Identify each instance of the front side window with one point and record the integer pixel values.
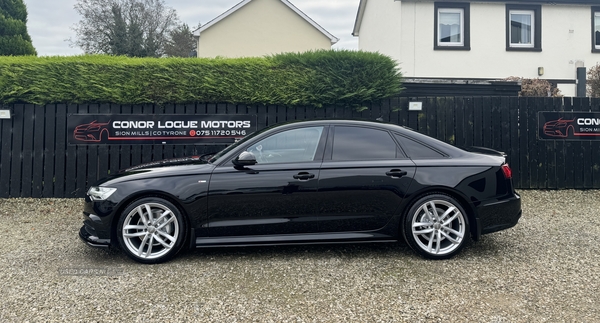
(296, 145)
(451, 26)
(523, 28)
(596, 29)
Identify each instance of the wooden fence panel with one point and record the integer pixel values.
(6, 130)
(27, 151)
(17, 151)
(49, 150)
(37, 161)
(81, 175)
(595, 151)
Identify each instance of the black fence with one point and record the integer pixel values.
(37, 161)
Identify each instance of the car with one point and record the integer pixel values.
(558, 128)
(91, 132)
(306, 182)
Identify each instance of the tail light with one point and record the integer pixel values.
(507, 171)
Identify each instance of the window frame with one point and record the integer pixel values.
(536, 33)
(595, 11)
(465, 25)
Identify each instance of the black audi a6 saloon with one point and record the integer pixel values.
(326, 181)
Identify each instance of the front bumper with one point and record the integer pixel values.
(91, 240)
(97, 223)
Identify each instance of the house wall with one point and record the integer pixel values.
(261, 27)
(566, 42)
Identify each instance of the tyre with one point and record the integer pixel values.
(436, 226)
(151, 230)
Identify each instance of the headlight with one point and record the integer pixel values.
(99, 193)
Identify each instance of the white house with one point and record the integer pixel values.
(484, 39)
(261, 27)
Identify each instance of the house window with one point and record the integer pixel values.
(451, 26)
(523, 28)
(596, 29)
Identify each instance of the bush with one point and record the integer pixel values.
(593, 81)
(536, 87)
(312, 78)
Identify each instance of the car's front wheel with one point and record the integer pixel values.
(436, 226)
(151, 230)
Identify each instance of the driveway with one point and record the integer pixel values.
(546, 269)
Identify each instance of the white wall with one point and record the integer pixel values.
(381, 28)
(566, 39)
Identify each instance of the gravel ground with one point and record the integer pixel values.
(545, 269)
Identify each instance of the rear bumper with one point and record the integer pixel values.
(499, 215)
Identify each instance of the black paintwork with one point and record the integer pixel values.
(323, 200)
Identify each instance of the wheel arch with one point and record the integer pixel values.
(103, 131)
(461, 198)
(145, 194)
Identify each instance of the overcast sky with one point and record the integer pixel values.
(50, 21)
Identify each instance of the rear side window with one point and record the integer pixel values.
(417, 150)
(355, 143)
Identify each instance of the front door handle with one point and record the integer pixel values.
(304, 176)
(396, 173)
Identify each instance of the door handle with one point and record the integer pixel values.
(304, 176)
(396, 173)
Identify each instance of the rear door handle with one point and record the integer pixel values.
(396, 173)
(304, 176)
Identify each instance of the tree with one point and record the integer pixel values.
(14, 38)
(181, 42)
(136, 28)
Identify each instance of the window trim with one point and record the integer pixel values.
(537, 27)
(595, 10)
(465, 26)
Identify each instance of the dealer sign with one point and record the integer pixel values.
(158, 128)
(569, 125)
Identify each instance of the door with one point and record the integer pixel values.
(363, 179)
(275, 196)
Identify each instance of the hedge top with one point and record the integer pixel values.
(313, 78)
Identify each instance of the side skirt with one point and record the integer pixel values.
(290, 239)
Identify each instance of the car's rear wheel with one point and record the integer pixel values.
(436, 226)
(151, 230)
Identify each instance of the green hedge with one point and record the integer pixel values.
(312, 78)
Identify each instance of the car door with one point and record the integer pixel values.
(275, 196)
(363, 179)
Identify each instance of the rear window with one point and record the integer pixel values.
(417, 150)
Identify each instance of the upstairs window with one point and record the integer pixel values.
(596, 29)
(523, 28)
(451, 26)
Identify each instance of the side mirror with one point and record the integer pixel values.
(246, 158)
